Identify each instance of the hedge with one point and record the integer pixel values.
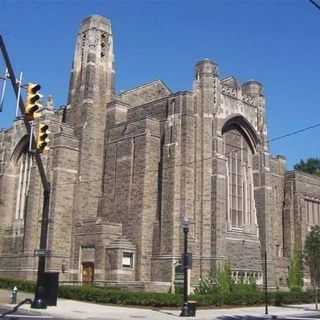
(23, 285)
(104, 295)
(276, 298)
(101, 294)
(116, 296)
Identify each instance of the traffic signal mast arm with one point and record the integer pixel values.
(39, 298)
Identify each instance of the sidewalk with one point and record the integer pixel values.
(71, 309)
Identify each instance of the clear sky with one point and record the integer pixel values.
(276, 42)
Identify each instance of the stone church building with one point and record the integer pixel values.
(125, 169)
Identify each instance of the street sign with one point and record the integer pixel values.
(41, 253)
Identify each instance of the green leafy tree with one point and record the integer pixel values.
(311, 165)
(295, 276)
(312, 258)
(224, 279)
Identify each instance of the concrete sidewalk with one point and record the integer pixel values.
(71, 309)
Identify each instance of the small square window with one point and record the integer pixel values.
(127, 259)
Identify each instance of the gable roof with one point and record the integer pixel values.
(145, 93)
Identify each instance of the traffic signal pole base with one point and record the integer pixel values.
(38, 303)
(188, 309)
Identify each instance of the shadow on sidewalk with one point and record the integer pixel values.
(169, 313)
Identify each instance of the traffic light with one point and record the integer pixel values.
(42, 138)
(32, 102)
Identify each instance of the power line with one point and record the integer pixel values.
(237, 149)
(294, 133)
(315, 3)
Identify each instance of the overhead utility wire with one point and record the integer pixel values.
(294, 132)
(237, 149)
(315, 3)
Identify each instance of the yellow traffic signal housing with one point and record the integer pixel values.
(43, 137)
(32, 102)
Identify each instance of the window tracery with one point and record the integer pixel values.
(241, 210)
(24, 164)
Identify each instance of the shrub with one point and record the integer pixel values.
(104, 295)
(281, 297)
(295, 275)
(23, 285)
(210, 295)
(224, 280)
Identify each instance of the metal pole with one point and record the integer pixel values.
(185, 267)
(38, 302)
(30, 137)
(185, 309)
(3, 89)
(265, 281)
(39, 294)
(19, 90)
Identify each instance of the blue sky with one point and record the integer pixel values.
(275, 42)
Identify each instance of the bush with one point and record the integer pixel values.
(243, 295)
(280, 297)
(23, 285)
(295, 275)
(222, 290)
(209, 295)
(104, 295)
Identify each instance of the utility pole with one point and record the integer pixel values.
(38, 301)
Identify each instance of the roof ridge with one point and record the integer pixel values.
(145, 85)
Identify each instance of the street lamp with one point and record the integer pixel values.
(265, 281)
(188, 309)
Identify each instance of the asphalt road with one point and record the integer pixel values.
(298, 316)
(304, 316)
(25, 315)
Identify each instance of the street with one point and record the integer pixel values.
(24, 315)
(79, 310)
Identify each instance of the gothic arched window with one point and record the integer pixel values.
(241, 210)
(24, 166)
(22, 162)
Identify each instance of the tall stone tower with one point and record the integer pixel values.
(91, 88)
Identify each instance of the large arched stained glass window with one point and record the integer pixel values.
(241, 211)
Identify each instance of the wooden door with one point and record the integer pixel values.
(87, 272)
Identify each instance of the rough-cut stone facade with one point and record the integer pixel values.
(126, 169)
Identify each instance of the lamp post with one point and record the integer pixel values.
(186, 309)
(265, 282)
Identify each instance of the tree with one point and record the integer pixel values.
(224, 279)
(295, 276)
(311, 165)
(312, 258)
